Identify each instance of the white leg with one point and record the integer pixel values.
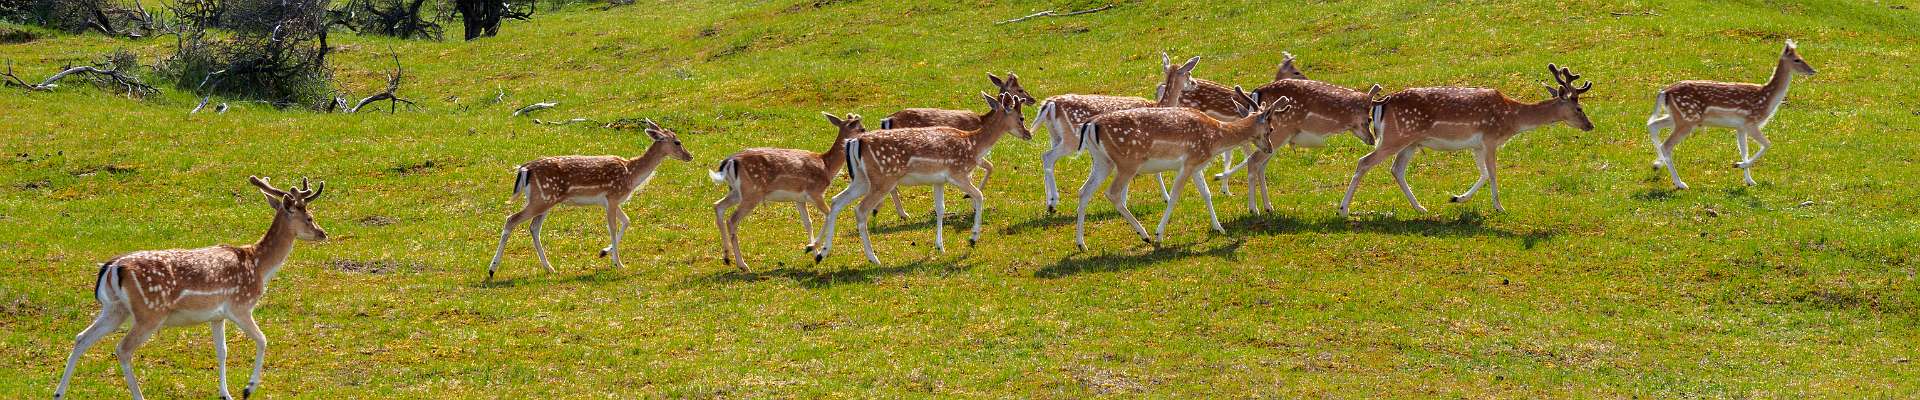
(840, 202)
(870, 202)
(1680, 132)
(897, 209)
(727, 252)
(806, 221)
(733, 231)
(136, 337)
(1100, 171)
(1760, 138)
(1493, 177)
(108, 321)
(979, 205)
(616, 225)
(1165, 194)
(939, 218)
(1740, 140)
(1653, 132)
(244, 321)
(1400, 175)
(1366, 163)
(1480, 161)
(220, 353)
(1226, 162)
(512, 221)
(1207, 196)
(1047, 161)
(1173, 198)
(538, 248)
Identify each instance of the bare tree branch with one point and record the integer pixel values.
(530, 108)
(1051, 13)
(132, 85)
(393, 85)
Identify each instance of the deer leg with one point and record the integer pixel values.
(1207, 196)
(1256, 179)
(109, 320)
(1047, 161)
(539, 249)
(1760, 138)
(1493, 176)
(979, 205)
(1371, 159)
(220, 353)
(897, 208)
(840, 202)
(1480, 161)
(733, 229)
(1653, 132)
(1400, 176)
(616, 228)
(1165, 195)
(727, 252)
(1173, 199)
(866, 204)
(813, 239)
(136, 336)
(806, 221)
(244, 321)
(1117, 194)
(512, 221)
(1226, 163)
(940, 218)
(986, 169)
(1099, 174)
(1680, 132)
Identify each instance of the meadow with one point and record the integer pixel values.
(1599, 280)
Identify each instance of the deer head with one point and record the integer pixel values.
(1791, 57)
(1287, 70)
(291, 207)
(1263, 117)
(1012, 86)
(1005, 116)
(1566, 98)
(664, 137)
(1179, 78)
(849, 126)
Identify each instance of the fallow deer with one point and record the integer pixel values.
(1451, 118)
(606, 181)
(1062, 113)
(1318, 111)
(758, 175)
(169, 288)
(1148, 140)
(1745, 107)
(882, 160)
(965, 120)
(1221, 102)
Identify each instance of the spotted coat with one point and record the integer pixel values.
(1318, 110)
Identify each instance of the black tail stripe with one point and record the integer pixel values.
(99, 278)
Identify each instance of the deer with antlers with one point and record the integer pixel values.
(1316, 112)
(1451, 118)
(607, 181)
(965, 120)
(169, 288)
(882, 160)
(1220, 101)
(1745, 107)
(1064, 112)
(1149, 140)
(759, 175)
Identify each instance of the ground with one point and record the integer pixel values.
(1598, 281)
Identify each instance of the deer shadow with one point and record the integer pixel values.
(1080, 263)
(815, 278)
(601, 275)
(1471, 223)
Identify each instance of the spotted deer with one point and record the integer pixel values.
(1219, 101)
(1062, 113)
(212, 285)
(1148, 140)
(1317, 112)
(1745, 107)
(606, 181)
(1452, 118)
(758, 175)
(937, 156)
(965, 120)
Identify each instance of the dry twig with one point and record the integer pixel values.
(1051, 13)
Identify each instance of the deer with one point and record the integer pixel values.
(881, 160)
(1317, 112)
(607, 181)
(156, 289)
(1148, 140)
(960, 119)
(1744, 107)
(1061, 113)
(1219, 101)
(758, 175)
(1454, 118)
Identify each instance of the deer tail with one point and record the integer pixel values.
(521, 178)
(1659, 107)
(886, 123)
(1039, 118)
(854, 159)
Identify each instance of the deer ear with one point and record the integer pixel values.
(1551, 90)
(1791, 45)
(833, 119)
(1012, 78)
(996, 80)
(1191, 62)
(1166, 62)
(277, 201)
(992, 102)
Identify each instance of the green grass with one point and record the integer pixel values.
(1598, 281)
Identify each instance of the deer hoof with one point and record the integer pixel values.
(1457, 199)
(973, 242)
(1680, 185)
(246, 393)
(818, 257)
(603, 253)
(726, 261)
(809, 249)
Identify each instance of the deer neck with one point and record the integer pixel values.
(274, 247)
(1234, 133)
(1776, 87)
(1171, 94)
(1526, 117)
(836, 154)
(640, 168)
(984, 138)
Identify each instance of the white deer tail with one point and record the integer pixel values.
(886, 123)
(1088, 139)
(521, 179)
(1376, 121)
(724, 173)
(855, 162)
(1659, 107)
(106, 283)
(1040, 118)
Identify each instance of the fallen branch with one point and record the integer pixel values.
(530, 108)
(1634, 14)
(393, 84)
(1051, 13)
(132, 85)
(564, 122)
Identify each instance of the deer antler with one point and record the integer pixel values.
(307, 192)
(1565, 77)
(265, 187)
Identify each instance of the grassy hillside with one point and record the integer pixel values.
(1598, 281)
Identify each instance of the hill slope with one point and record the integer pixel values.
(1599, 280)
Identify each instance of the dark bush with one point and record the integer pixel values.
(276, 51)
(396, 18)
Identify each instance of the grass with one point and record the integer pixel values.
(1599, 281)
